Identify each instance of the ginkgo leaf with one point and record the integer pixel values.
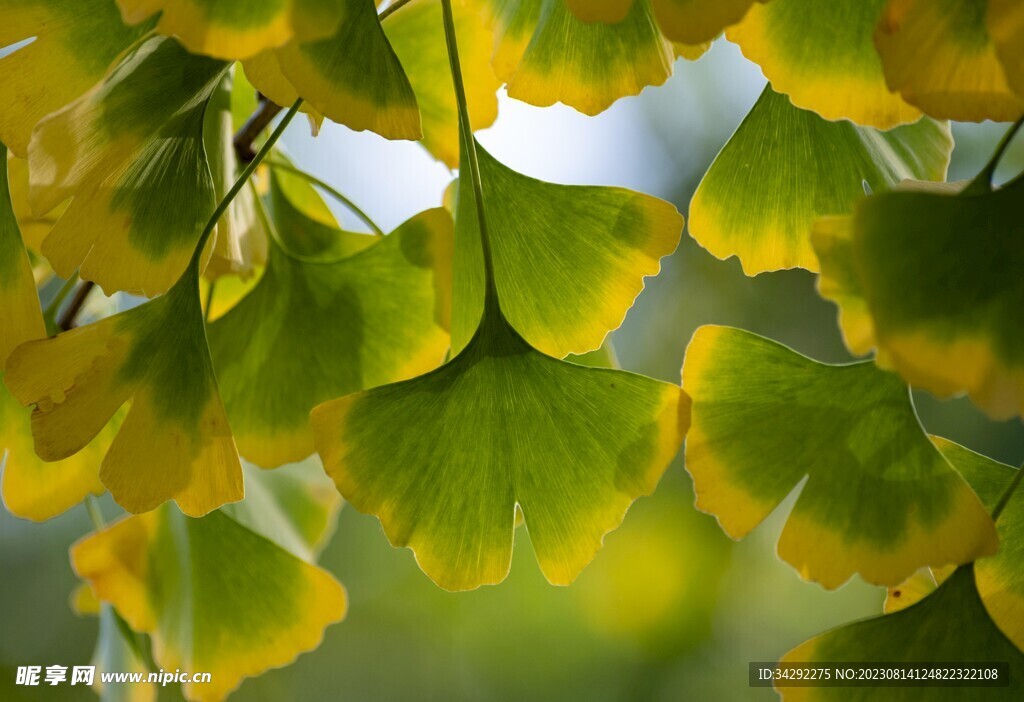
(930, 275)
(33, 228)
(213, 594)
(939, 57)
(175, 442)
(949, 625)
(698, 21)
(1005, 23)
(999, 578)
(352, 77)
(822, 56)
(237, 29)
(20, 316)
(879, 499)
(367, 319)
(264, 71)
(609, 11)
(787, 166)
(417, 35)
(130, 152)
(444, 459)
(547, 55)
(73, 44)
(241, 244)
(569, 260)
(910, 591)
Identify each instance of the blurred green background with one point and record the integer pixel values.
(670, 609)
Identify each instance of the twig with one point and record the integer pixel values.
(265, 113)
(67, 317)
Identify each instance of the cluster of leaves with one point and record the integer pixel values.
(447, 373)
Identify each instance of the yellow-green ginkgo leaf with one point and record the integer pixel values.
(930, 275)
(417, 35)
(939, 56)
(73, 44)
(879, 499)
(1005, 22)
(237, 29)
(363, 320)
(785, 166)
(175, 442)
(610, 11)
(241, 244)
(352, 77)
(568, 260)
(546, 54)
(948, 626)
(33, 229)
(698, 21)
(213, 594)
(444, 459)
(20, 316)
(822, 56)
(130, 152)
(264, 70)
(1000, 578)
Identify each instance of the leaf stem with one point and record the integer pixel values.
(312, 179)
(50, 313)
(392, 8)
(67, 318)
(983, 181)
(209, 300)
(240, 182)
(469, 141)
(1007, 494)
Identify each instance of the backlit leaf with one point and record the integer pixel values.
(237, 29)
(175, 442)
(938, 55)
(930, 275)
(949, 625)
(785, 166)
(367, 319)
(879, 498)
(698, 21)
(610, 11)
(569, 260)
(213, 594)
(547, 55)
(417, 34)
(822, 56)
(131, 154)
(1005, 23)
(73, 44)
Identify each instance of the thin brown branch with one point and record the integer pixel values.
(67, 317)
(253, 127)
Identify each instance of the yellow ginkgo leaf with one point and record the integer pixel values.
(1005, 21)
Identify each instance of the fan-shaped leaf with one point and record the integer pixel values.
(73, 44)
(417, 35)
(785, 166)
(949, 625)
(213, 594)
(369, 319)
(698, 21)
(880, 500)
(821, 55)
(20, 316)
(547, 55)
(938, 55)
(33, 229)
(131, 153)
(175, 442)
(569, 260)
(1005, 23)
(352, 77)
(237, 29)
(931, 277)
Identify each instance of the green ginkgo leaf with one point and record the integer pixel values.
(417, 35)
(999, 578)
(568, 260)
(546, 54)
(130, 152)
(821, 54)
(175, 442)
(73, 44)
(241, 245)
(949, 625)
(352, 77)
(879, 500)
(213, 593)
(939, 56)
(784, 167)
(32, 489)
(237, 29)
(930, 275)
(363, 320)
(1005, 23)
